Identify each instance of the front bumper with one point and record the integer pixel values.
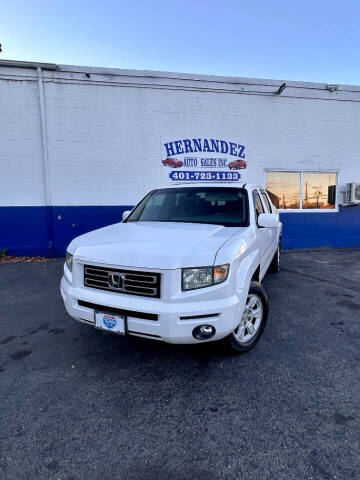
(170, 326)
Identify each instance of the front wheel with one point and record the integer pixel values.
(252, 322)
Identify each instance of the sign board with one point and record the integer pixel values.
(202, 160)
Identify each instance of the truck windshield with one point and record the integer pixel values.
(227, 206)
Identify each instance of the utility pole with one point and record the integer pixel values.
(306, 194)
(317, 194)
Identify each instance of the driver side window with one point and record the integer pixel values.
(266, 201)
(258, 205)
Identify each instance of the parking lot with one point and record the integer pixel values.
(76, 403)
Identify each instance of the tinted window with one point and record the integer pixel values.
(216, 205)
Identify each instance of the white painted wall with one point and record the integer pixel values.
(104, 132)
(21, 173)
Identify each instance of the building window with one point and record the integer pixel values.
(302, 190)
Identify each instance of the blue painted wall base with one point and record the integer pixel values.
(47, 231)
(314, 230)
(25, 231)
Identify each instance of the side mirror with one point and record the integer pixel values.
(126, 214)
(268, 220)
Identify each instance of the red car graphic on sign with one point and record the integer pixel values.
(172, 162)
(237, 164)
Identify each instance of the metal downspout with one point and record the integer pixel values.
(45, 157)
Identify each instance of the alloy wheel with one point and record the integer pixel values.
(251, 319)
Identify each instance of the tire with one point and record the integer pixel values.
(274, 266)
(242, 341)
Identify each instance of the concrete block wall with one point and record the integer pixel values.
(105, 129)
(21, 176)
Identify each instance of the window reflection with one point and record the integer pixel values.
(318, 190)
(284, 189)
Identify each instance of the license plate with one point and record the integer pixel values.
(110, 322)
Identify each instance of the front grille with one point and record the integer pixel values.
(131, 282)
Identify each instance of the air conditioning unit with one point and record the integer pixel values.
(352, 193)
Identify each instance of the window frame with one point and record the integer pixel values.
(302, 171)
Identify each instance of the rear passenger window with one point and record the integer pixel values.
(266, 201)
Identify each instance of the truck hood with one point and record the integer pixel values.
(152, 244)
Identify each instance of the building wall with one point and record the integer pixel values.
(21, 179)
(105, 129)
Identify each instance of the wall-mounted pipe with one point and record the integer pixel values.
(45, 155)
(45, 160)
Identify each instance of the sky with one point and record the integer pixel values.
(286, 40)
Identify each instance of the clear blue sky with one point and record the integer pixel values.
(296, 40)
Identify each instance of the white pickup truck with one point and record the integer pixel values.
(184, 266)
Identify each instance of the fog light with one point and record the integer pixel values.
(204, 332)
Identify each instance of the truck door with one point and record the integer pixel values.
(262, 234)
(273, 232)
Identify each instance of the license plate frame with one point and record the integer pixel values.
(110, 322)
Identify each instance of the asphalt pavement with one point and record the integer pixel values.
(80, 404)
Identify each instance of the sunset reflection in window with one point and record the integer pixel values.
(302, 190)
(284, 189)
(318, 190)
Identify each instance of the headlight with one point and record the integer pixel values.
(203, 276)
(69, 261)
